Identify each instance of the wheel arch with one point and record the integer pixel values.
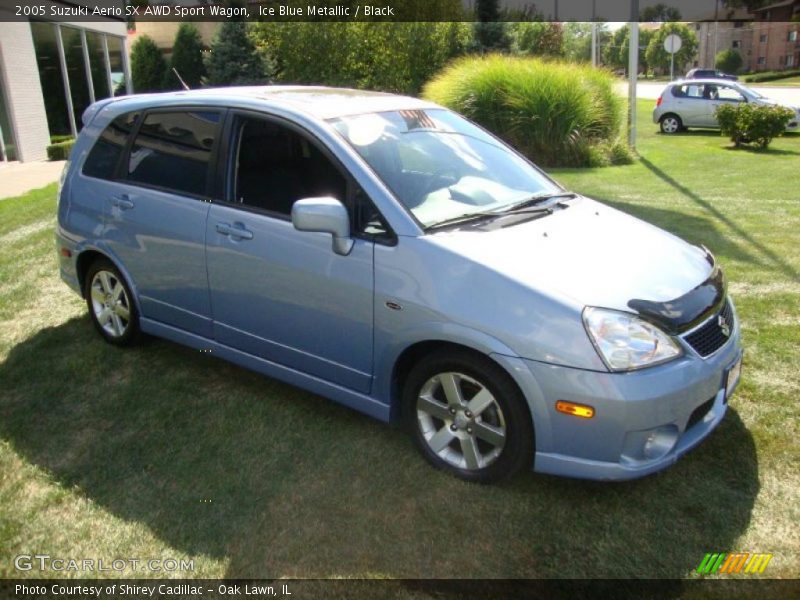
(88, 256)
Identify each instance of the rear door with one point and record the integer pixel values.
(279, 293)
(157, 214)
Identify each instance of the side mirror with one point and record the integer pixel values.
(324, 215)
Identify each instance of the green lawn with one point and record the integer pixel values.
(162, 451)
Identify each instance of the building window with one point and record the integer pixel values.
(762, 60)
(738, 24)
(793, 36)
(97, 62)
(116, 47)
(790, 60)
(762, 38)
(8, 148)
(736, 44)
(50, 76)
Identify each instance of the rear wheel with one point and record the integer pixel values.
(111, 304)
(468, 417)
(671, 124)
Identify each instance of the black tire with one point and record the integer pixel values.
(117, 330)
(508, 412)
(671, 124)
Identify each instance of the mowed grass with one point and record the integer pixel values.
(163, 452)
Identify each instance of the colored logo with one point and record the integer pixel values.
(735, 562)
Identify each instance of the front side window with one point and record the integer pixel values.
(104, 156)
(441, 166)
(729, 94)
(172, 151)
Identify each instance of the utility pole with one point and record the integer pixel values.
(633, 72)
(594, 44)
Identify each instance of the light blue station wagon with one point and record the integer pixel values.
(388, 254)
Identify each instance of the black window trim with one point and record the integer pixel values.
(223, 190)
(121, 174)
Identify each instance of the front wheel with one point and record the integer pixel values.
(671, 124)
(111, 304)
(468, 417)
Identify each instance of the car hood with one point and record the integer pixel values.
(587, 254)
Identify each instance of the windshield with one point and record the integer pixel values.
(441, 166)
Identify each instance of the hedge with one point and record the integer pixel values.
(60, 151)
(771, 76)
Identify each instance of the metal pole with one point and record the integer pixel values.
(594, 44)
(672, 66)
(633, 72)
(65, 75)
(87, 66)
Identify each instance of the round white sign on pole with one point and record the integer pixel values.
(673, 43)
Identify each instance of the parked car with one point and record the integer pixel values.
(709, 74)
(693, 103)
(389, 254)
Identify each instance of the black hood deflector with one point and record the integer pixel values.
(687, 311)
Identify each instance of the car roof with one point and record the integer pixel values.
(701, 80)
(320, 102)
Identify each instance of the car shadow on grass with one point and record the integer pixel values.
(217, 461)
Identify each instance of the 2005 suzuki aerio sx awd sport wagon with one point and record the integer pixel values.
(387, 253)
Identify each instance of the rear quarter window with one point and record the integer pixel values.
(107, 150)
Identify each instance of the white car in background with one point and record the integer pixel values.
(693, 103)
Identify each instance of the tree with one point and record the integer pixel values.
(578, 40)
(234, 59)
(616, 53)
(187, 58)
(538, 38)
(729, 61)
(147, 66)
(490, 34)
(658, 57)
(660, 12)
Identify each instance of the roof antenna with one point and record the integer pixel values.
(183, 83)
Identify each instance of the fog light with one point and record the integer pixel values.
(649, 445)
(576, 410)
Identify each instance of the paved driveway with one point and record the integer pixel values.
(17, 178)
(651, 91)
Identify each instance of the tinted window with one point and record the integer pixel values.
(172, 150)
(103, 158)
(275, 166)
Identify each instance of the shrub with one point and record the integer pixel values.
(57, 139)
(60, 151)
(752, 124)
(772, 75)
(729, 61)
(234, 58)
(148, 66)
(187, 58)
(551, 111)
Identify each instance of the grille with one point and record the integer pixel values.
(699, 412)
(709, 338)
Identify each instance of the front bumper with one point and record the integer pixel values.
(644, 420)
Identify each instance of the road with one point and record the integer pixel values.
(651, 91)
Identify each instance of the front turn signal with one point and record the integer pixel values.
(576, 410)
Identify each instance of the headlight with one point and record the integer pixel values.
(626, 342)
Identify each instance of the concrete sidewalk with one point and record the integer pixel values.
(17, 178)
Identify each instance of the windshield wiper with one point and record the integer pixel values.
(467, 217)
(537, 199)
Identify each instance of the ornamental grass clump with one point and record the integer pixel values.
(558, 114)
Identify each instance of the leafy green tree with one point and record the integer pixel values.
(187, 58)
(658, 57)
(235, 60)
(578, 40)
(537, 38)
(147, 66)
(729, 61)
(616, 53)
(659, 12)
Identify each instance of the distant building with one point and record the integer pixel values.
(50, 72)
(767, 38)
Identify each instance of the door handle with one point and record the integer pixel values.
(234, 231)
(122, 202)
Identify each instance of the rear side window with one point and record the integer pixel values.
(102, 160)
(172, 151)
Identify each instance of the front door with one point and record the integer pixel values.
(279, 293)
